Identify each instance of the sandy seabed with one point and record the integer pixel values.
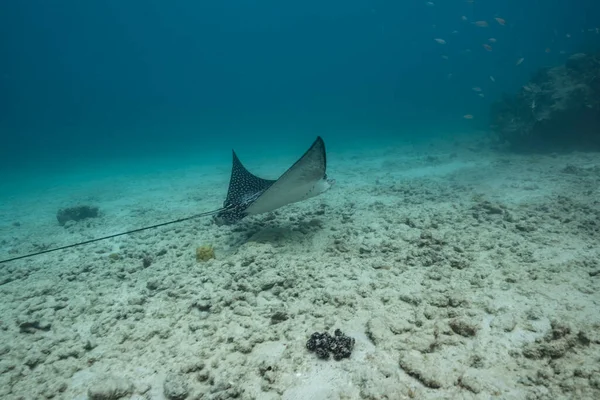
(461, 273)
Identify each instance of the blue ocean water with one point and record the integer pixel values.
(85, 83)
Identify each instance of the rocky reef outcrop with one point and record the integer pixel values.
(558, 109)
(75, 214)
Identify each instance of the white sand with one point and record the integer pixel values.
(462, 274)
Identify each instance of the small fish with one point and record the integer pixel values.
(481, 24)
(476, 89)
(481, 95)
(492, 40)
(445, 57)
(501, 21)
(440, 41)
(464, 18)
(430, 4)
(577, 56)
(492, 78)
(568, 36)
(487, 47)
(468, 116)
(547, 50)
(520, 60)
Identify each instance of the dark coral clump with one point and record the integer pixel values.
(78, 213)
(323, 344)
(558, 109)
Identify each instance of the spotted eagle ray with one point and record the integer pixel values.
(250, 195)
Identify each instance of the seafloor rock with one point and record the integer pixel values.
(464, 327)
(110, 388)
(33, 326)
(558, 109)
(323, 344)
(78, 213)
(415, 365)
(556, 343)
(175, 387)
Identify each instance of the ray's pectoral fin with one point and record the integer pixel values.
(305, 179)
(251, 195)
(244, 187)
